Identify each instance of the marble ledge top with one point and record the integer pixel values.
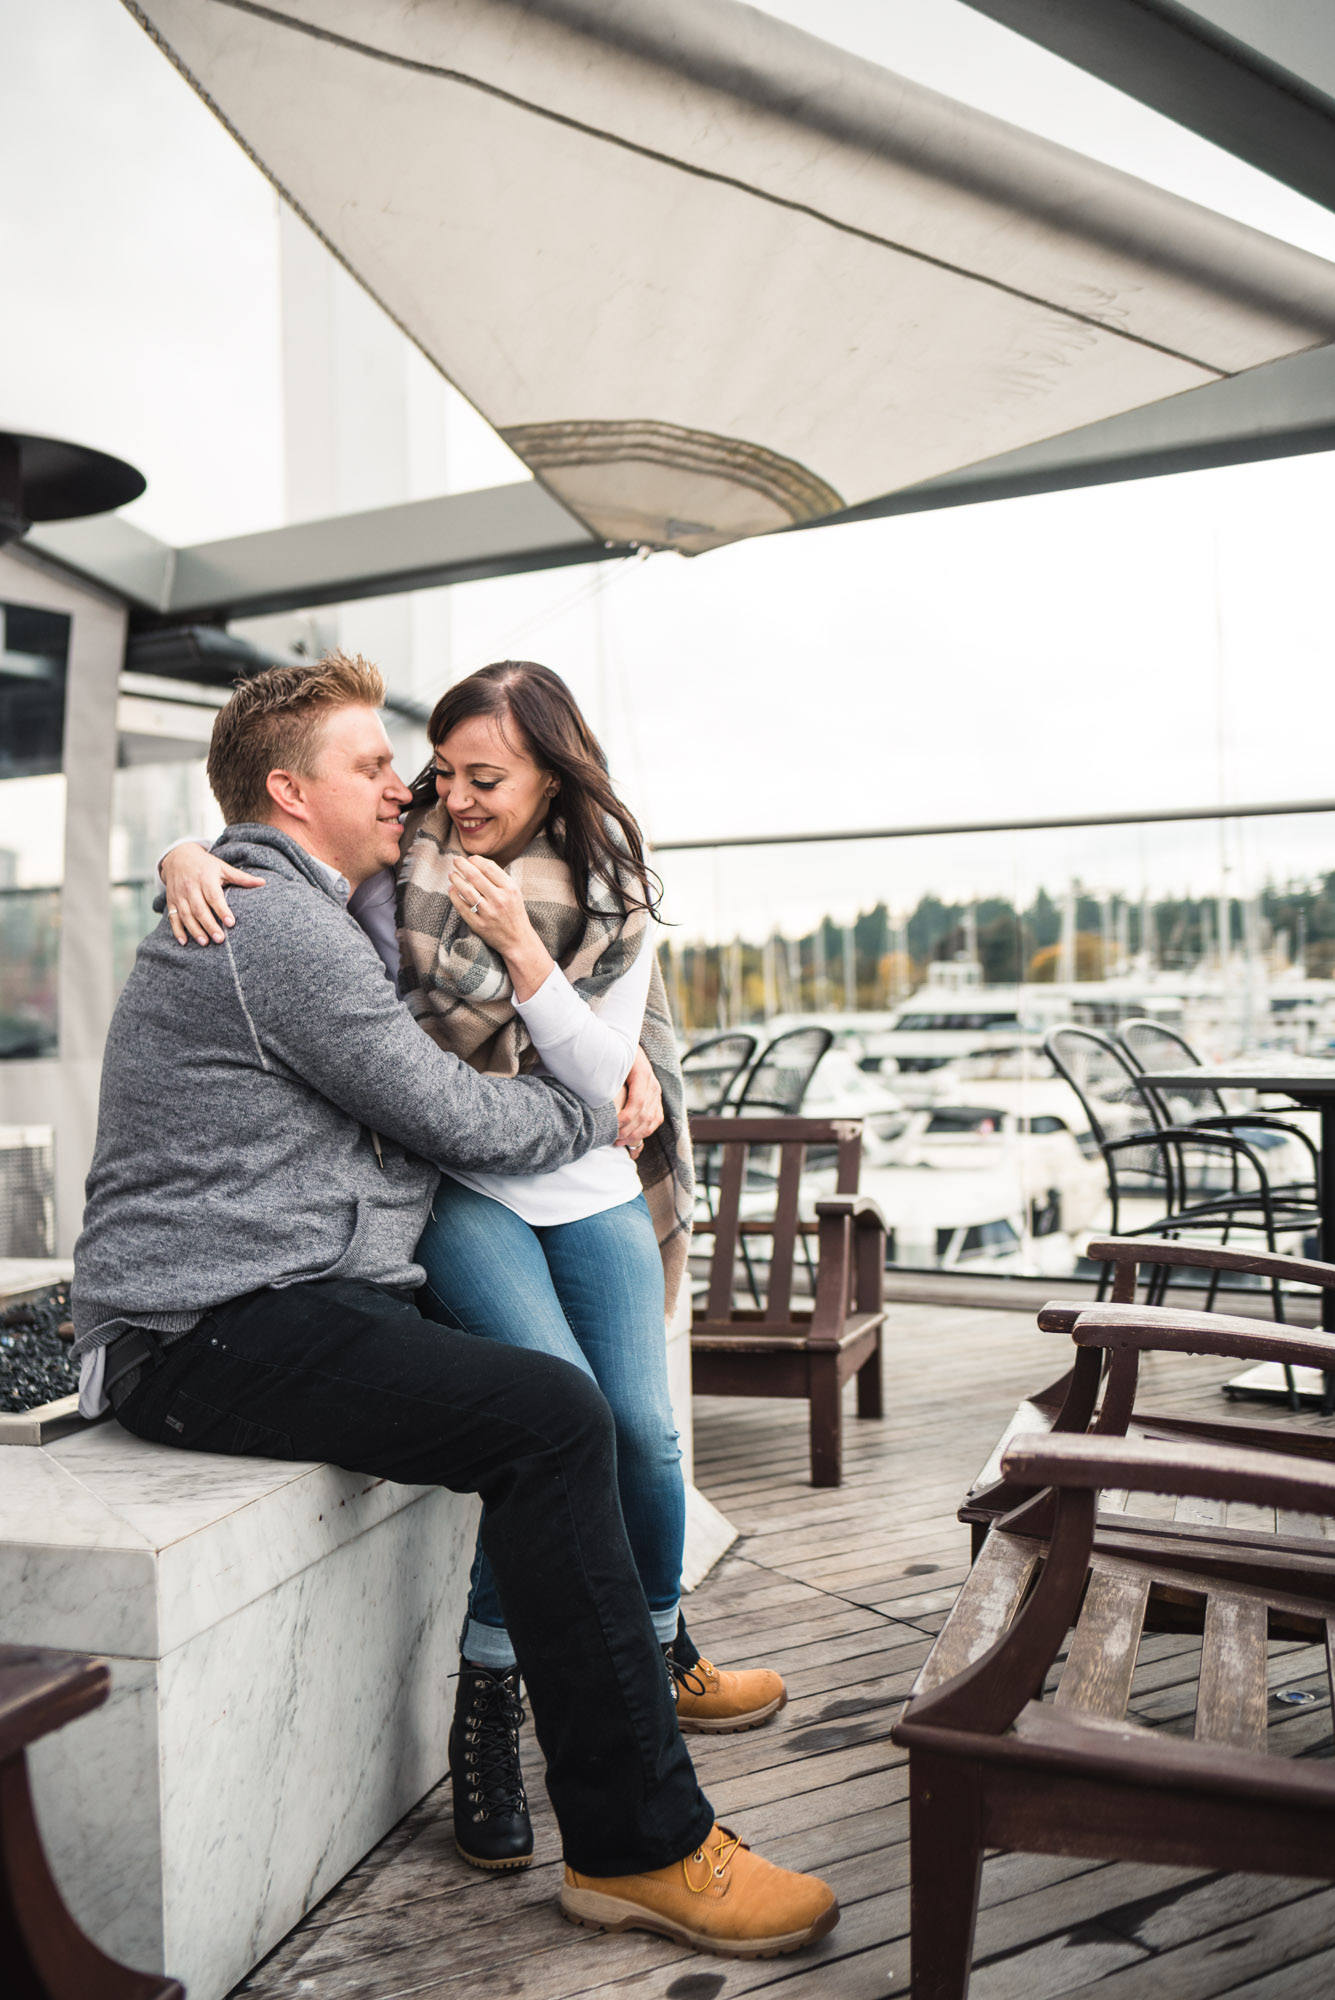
(20, 1276)
(111, 1545)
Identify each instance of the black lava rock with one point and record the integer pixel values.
(36, 1366)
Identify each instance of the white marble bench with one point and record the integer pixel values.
(281, 1637)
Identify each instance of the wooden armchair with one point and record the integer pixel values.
(776, 1346)
(43, 1953)
(992, 1764)
(1110, 1339)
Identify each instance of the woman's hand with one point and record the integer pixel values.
(195, 881)
(489, 902)
(640, 1108)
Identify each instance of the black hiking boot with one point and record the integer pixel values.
(492, 1828)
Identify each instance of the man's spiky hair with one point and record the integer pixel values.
(274, 722)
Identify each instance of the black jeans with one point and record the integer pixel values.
(351, 1373)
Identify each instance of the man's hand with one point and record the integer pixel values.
(640, 1106)
(196, 882)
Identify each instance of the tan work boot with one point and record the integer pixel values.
(722, 1898)
(710, 1698)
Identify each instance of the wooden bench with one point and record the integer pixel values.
(43, 1953)
(1110, 1339)
(993, 1764)
(780, 1345)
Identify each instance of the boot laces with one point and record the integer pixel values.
(714, 1860)
(695, 1679)
(491, 1725)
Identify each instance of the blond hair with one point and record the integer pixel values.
(275, 721)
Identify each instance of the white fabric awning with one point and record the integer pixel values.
(709, 276)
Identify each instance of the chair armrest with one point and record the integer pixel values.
(1195, 1135)
(1205, 1257)
(1167, 1139)
(1059, 1316)
(1265, 1121)
(1158, 1135)
(1204, 1471)
(860, 1210)
(1164, 1329)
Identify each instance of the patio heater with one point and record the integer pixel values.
(45, 479)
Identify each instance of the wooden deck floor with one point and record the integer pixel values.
(842, 1590)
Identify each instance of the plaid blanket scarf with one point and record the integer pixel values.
(458, 989)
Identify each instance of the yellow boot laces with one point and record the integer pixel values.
(724, 1849)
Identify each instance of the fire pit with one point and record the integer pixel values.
(39, 1378)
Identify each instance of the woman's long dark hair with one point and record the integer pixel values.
(545, 715)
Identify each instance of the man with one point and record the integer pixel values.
(268, 1139)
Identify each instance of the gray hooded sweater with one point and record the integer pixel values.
(271, 1114)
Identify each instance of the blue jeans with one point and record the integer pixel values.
(589, 1292)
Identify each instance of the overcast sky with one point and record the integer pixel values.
(1161, 642)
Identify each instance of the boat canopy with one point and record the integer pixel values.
(710, 276)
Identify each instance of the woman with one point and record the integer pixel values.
(525, 936)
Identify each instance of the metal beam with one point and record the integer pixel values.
(106, 550)
(1181, 63)
(456, 538)
(1279, 411)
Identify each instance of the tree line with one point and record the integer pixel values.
(879, 960)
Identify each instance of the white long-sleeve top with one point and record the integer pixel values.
(590, 1053)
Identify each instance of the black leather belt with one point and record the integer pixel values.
(130, 1355)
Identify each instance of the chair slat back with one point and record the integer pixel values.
(732, 1173)
(779, 1295)
(730, 1145)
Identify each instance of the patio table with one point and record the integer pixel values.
(1306, 1081)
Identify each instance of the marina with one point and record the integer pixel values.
(981, 1155)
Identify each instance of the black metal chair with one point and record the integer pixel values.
(709, 1070)
(1161, 1157)
(782, 1072)
(1151, 1047)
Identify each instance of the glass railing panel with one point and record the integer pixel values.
(29, 953)
(34, 648)
(941, 966)
(159, 798)
(27, 1191)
